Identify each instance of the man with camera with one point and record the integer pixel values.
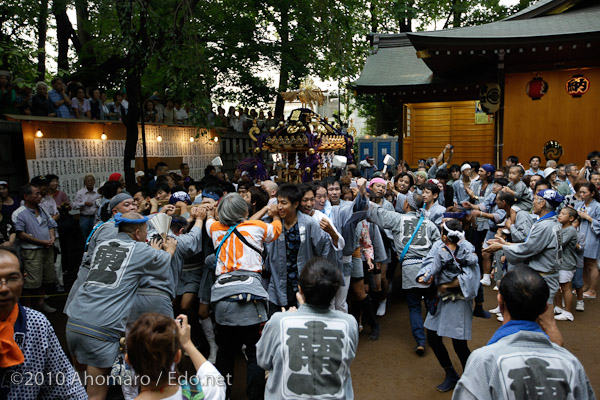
(592, 164)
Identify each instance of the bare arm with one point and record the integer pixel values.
(327, 227)
(444, 287)
(188, 346)
(451, 155)
(440, 157)
(260, 213)
(28, 238)
(11, 240)
(170, 245)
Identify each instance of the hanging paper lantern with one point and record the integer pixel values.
(577, 85)
(553, 150)
(489, 96)
(537, 88)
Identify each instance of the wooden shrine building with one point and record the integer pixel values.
(545, 61)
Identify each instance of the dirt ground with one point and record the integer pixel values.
(389, 368)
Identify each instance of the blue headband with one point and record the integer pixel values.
(210, 195)
(120, 220)
(456, 215)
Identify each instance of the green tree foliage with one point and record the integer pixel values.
(18, 21)
(221, 50)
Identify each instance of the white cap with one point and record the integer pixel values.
(139, 173)
(548, 171)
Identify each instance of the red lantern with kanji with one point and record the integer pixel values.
(578, 85)
(537, 88)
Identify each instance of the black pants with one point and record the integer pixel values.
(437, 345)
(230, 340)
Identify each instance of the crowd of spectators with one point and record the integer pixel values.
(74, 100)
(479, 223)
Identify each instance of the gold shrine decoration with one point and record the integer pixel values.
(254, 131)
(308, 94)
(352, 129)
(292, 136)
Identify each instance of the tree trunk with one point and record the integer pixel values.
(59, 9)
(87, 56)
(284, 70)
(64, 33)
(42, 31)
(405, 25)
(132, 85)
(373, 17)
(456, 13)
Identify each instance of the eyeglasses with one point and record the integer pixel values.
(11, 281)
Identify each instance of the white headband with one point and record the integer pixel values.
(465, 166)
(450, 233)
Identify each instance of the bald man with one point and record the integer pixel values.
(271, 188)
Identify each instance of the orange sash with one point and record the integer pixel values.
(10, 353)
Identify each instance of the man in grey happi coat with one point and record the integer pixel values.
(99, 310)
(121, 203)
(157, 295)
(403, 226)
(309, 351)
(519, 361)
(345, 216)
(542, 251)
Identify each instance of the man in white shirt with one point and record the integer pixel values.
(85, 202)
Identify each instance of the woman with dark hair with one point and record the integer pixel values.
(454, 171)
(257, 199)
(403, 183)
(149, 111)
(478, 191)
(305, 335)
(588, 208)
(80, 106)
(155, 345)
(60, 197)
(452, 266)
(108, 191)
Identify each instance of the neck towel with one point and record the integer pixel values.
(10, 353)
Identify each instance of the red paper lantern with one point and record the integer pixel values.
(577, 85)
(537, 88)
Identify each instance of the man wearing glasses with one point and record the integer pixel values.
(33, 364)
